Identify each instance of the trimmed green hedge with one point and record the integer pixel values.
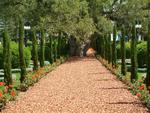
(128, 51)
(15, 55)
(141, 52)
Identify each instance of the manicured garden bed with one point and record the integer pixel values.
(8, 93)
(137, 88)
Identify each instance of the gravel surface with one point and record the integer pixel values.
(78, 86)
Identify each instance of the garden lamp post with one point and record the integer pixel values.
(138, 26)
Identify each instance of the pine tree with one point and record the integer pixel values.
(123, 52)
(7, 58)
(21, 50)
(34, 50)
(133, 55)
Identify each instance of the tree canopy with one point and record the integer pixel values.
(75, 17)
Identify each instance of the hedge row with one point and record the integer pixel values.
(141, 52)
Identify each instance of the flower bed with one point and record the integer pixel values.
(137, 88)
(8, 93)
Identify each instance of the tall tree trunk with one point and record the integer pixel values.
(7, 58)
(123, 52)
(42, 49)
(109, 50)
(21, 50)
(34, 50)
(147, 80)
(114, 52)
(133, 55)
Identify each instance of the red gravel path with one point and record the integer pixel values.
(78, 86)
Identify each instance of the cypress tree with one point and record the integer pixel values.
(123, 52)
(34, 50)
(51, 50)
(147, 80)
(7, 58)
(59, 45)
(107, 47)
(62, 45)
(103, 47)
(114, 52)
(133, 55)
(100, 46)
(42, 48)
(109, 50)
(105, 38)
(21, 50)
(55, 48)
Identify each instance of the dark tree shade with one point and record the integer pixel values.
(114, 52)
(42, 49)
(7, 58)
(133, 55)
(21, 50)
(147, 80)
(123, 52)
(34, 50)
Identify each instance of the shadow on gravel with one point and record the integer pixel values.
(114, 88)
(101, 80)
(133, 103)
(99, 73)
